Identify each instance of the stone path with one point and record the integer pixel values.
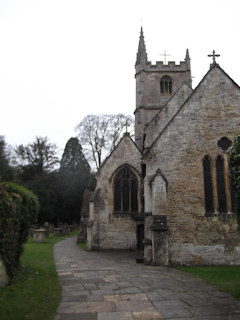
(112, 286)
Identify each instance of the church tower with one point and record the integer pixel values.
(155, 85)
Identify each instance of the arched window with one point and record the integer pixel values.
(221, 189)
(208, 188)
(166, 86)
(125, 191)
(218, 192)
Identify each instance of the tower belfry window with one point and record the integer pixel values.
(166, 86)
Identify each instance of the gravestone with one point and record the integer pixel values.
(39, 235)
(58, 231)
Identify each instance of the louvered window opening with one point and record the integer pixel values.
(166, 86)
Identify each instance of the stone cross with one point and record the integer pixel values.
(165, 55)
(214, 55)
(127, 125)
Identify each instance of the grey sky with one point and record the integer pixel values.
(61, 60)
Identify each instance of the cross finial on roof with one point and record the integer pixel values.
(165, 56)
(127, 125)
(214, 55)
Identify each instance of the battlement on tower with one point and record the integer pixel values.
(159, 66)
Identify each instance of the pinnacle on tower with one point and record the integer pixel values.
(142, 53)
(187, 59)
(187, 55)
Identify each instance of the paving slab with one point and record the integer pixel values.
(86, 307)
(134, 306)
(147, 315)
(111, 285)
(115, 316)
(74, 316)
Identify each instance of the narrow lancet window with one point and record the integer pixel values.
(221, 188)
(208, 188)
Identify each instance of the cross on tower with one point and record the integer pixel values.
(165, 55)
(214, 55)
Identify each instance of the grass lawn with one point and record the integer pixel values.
(226, 279)
(83, 246)
(35, 293)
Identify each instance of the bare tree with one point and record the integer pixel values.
(99, 134)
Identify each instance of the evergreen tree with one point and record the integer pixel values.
(73, 158)
(234, 173)
(73, 178)
(6, 171)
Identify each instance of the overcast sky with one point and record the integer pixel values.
(61, 60)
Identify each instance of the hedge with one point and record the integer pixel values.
(234, 173)
(18, 211)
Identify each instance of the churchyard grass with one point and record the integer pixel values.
(35, 293)
(225, 278)
(82, 245)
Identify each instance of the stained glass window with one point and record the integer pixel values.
(125, 191)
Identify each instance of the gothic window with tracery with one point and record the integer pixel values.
(166, 86)
(125, 191)
(218, 188)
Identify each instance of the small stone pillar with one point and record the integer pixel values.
(39, 235)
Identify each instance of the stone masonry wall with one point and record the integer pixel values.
(211, 113)
(142, 118)
(111, 230)
(159, 122)
(148, 87)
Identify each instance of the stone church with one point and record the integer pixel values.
(168, 192)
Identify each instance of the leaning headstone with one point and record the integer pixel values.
(39, 235)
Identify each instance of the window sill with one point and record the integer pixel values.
(134, 215)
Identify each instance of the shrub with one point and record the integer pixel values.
(234, 173)
(18, 210)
